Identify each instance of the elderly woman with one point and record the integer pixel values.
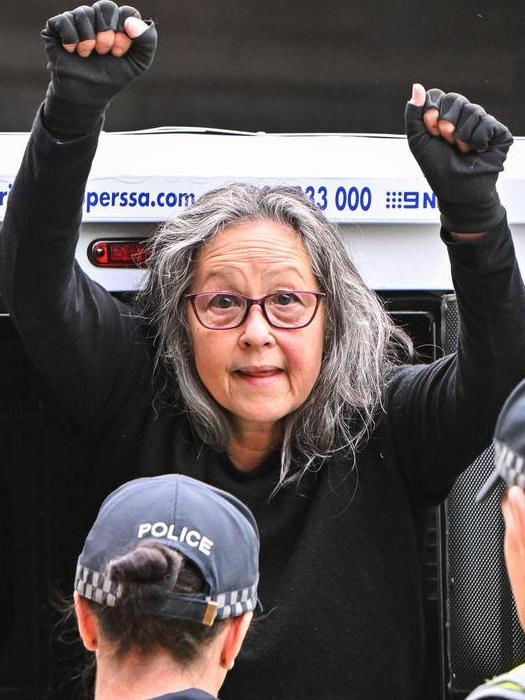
(260, 363)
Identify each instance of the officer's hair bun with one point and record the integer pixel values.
(149, 562)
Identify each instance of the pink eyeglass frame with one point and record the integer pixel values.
(252, 301)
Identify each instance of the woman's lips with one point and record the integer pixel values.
(259, 370)
(259, 376)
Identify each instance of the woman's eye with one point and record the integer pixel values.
(285, 298)
(223, 301)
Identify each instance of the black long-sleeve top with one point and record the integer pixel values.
(339, 559)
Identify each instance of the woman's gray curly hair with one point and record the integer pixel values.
(360, 338)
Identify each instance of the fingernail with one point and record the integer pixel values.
(135, 27)
(413, 91)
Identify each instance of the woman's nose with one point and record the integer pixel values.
(256, 331)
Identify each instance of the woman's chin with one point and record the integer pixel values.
(264, 415)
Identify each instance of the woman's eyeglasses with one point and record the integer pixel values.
(220, 311)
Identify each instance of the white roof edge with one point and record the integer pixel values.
(354, 178)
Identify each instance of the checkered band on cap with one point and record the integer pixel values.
(510, 465)
(236, 602)
(97, 587)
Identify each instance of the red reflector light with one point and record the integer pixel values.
(119, 252)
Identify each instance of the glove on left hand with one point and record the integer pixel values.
(464, 183)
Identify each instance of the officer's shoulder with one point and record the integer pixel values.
(509, 685)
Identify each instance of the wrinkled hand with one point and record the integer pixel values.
(461, 150)
(93, 53)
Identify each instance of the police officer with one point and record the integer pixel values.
(509, 442)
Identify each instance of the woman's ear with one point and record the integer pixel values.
(234, 638)
(87, 622)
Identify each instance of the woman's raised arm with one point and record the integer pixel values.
(444, 414)
(75, 332)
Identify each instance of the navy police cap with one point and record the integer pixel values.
(210, 527)
(509, 444)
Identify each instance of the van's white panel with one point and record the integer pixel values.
(370, 185)
(389, 256)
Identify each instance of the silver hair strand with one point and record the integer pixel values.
(360, 340)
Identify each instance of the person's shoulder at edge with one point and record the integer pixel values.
(510, 685)
(190, 694)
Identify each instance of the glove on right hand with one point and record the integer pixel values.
(464, 183)
(92, 82)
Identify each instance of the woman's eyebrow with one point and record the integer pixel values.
(287, 269)
(228, 274)
(237, 273)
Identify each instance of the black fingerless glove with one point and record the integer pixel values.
(464, 183)
(81, 88)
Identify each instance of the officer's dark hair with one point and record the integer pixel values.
(147, 573)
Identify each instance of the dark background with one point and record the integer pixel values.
(292, 65)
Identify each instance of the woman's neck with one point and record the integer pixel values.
(137, 678)
(252, 443)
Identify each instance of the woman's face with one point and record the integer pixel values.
(256, 372)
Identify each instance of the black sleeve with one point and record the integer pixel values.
(443, 415)
(76, 333)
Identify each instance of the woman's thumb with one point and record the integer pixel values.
(135, 27)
